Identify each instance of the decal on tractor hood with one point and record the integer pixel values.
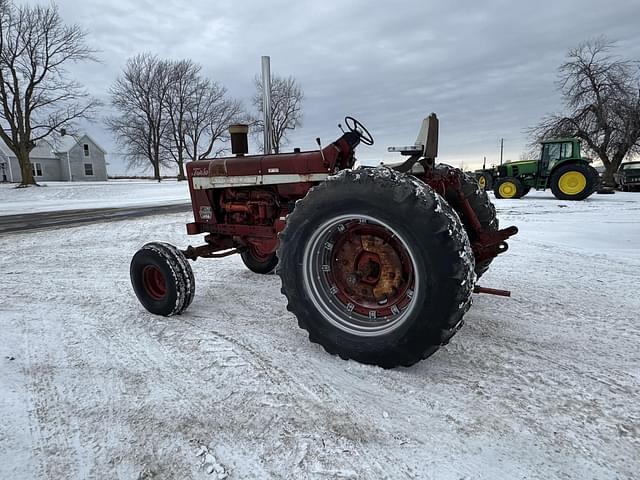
(201, 171)
(201, 183)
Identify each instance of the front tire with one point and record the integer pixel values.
(508, 187)
(162, 279)
(262, 264)
(485, 181)
(376, 267)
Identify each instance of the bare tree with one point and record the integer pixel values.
(37, 99)
(286, 108)
(180, 100)
(139, 96)
(601, 93)
(208, 120)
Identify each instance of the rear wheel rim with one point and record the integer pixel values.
(154, 282)
(572, 183)
(507, 189)
(482, 182)
(360, 274)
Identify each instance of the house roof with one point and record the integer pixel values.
(43, 149)
(47, 149)
(67, 142)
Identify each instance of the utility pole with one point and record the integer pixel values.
(501, 149)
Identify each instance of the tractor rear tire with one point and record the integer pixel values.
(480, 204)
(259, 264)
(162, 279)
(376, 267)
(525, 189)
(574, 181)
(508, 188)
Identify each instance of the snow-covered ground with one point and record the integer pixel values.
(542, 385)
(55, 196)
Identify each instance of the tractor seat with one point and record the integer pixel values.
(426, 146)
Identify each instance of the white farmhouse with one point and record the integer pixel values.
(77, 157)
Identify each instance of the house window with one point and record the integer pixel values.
(88, 169)
(36, 169)
(86, 150)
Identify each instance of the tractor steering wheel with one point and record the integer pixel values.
(355, 126)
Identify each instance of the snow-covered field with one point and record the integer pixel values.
(54, 196)
(543, 385)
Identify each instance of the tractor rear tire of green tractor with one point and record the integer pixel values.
(480, 203)
(525, 189)
(262, 264)
(573, 181)
(508, 188)
(376, 266)
(485, 181)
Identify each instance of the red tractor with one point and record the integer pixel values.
(378, 264)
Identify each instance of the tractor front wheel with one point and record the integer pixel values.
(574, 181)
(162, 279)
(508, 187)
(485, 181)
(258, 263)
(376, 267)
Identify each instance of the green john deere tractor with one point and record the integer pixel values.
(560, 168)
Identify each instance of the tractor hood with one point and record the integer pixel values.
(521, 163)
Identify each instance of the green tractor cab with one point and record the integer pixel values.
(560, 168)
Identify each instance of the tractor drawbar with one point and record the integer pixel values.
(492, 291)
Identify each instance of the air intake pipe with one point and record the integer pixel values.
(239, 142)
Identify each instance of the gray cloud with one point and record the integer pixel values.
(487, 68)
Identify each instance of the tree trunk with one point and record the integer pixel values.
(607, 177)
(26, 169)
(156, 171)
(611, 167)
(180, 163)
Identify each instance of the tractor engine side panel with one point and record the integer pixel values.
(248, 206)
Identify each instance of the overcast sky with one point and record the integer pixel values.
(488, 68)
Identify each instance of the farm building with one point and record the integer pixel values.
(75, 158)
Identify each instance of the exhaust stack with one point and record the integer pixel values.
(266, 102)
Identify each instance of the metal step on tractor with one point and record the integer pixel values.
(378, 264)
(560, 168)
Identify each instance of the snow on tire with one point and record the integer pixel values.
(376, 267)
(162, 279)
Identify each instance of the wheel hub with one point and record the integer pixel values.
(507, 189)
(572, 183)
(361, 274)
(154, 283)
